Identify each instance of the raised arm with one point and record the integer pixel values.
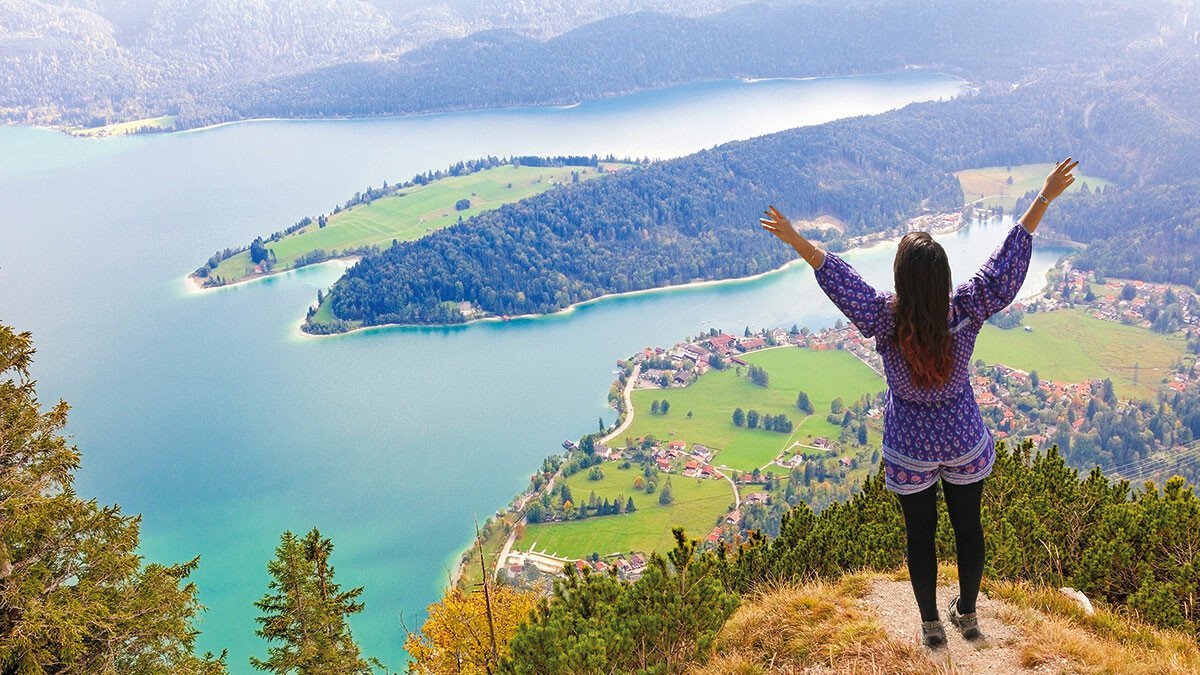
(866, 307)
(778, 224)
(997, 283)
(1056, 183)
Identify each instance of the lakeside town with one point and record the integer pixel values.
(1069, 414)
(671, 368)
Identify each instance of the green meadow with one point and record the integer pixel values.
(988, 186)
(1070, 346)
(410, 214)
(825, 375)
(163, 123)
(698, 504)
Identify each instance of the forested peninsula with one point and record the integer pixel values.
(693, 218)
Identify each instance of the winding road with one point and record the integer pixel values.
(633, 376)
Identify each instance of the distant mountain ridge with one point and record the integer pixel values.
(646, 50)
(93, 61)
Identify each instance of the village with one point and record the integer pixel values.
(933, 223)
(1005, 394)
(680, 365)
(1162, 308)
(672, 368)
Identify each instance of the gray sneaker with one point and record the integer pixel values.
(932, 634)
(967, 624)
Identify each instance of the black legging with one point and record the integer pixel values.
(920, 518)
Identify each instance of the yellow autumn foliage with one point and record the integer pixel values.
(455, 638)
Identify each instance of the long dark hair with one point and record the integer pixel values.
(922, 308)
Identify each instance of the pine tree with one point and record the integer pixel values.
(75, 596)
(1110, 396)
(667, 496)
(662, 623)
(804, 404)
(305, 611)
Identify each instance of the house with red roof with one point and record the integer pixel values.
(750, 344)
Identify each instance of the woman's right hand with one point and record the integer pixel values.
(1060, 179)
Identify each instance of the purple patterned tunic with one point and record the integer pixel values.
(932, 432)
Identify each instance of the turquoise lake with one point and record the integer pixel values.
(212, 417)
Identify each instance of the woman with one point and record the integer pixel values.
(925, 334)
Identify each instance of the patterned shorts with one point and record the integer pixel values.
(907, 476)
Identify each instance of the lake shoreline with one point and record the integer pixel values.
(83, 132)
(565, 310)
(193, 286)
(868, 241)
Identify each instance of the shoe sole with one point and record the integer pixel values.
(933, 644)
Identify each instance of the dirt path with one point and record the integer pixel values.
(894, 605)
(616, 433)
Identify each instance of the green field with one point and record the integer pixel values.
(411, 214)
(988, 186)
(698, 504)
(712, 398)
(1067, 345)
